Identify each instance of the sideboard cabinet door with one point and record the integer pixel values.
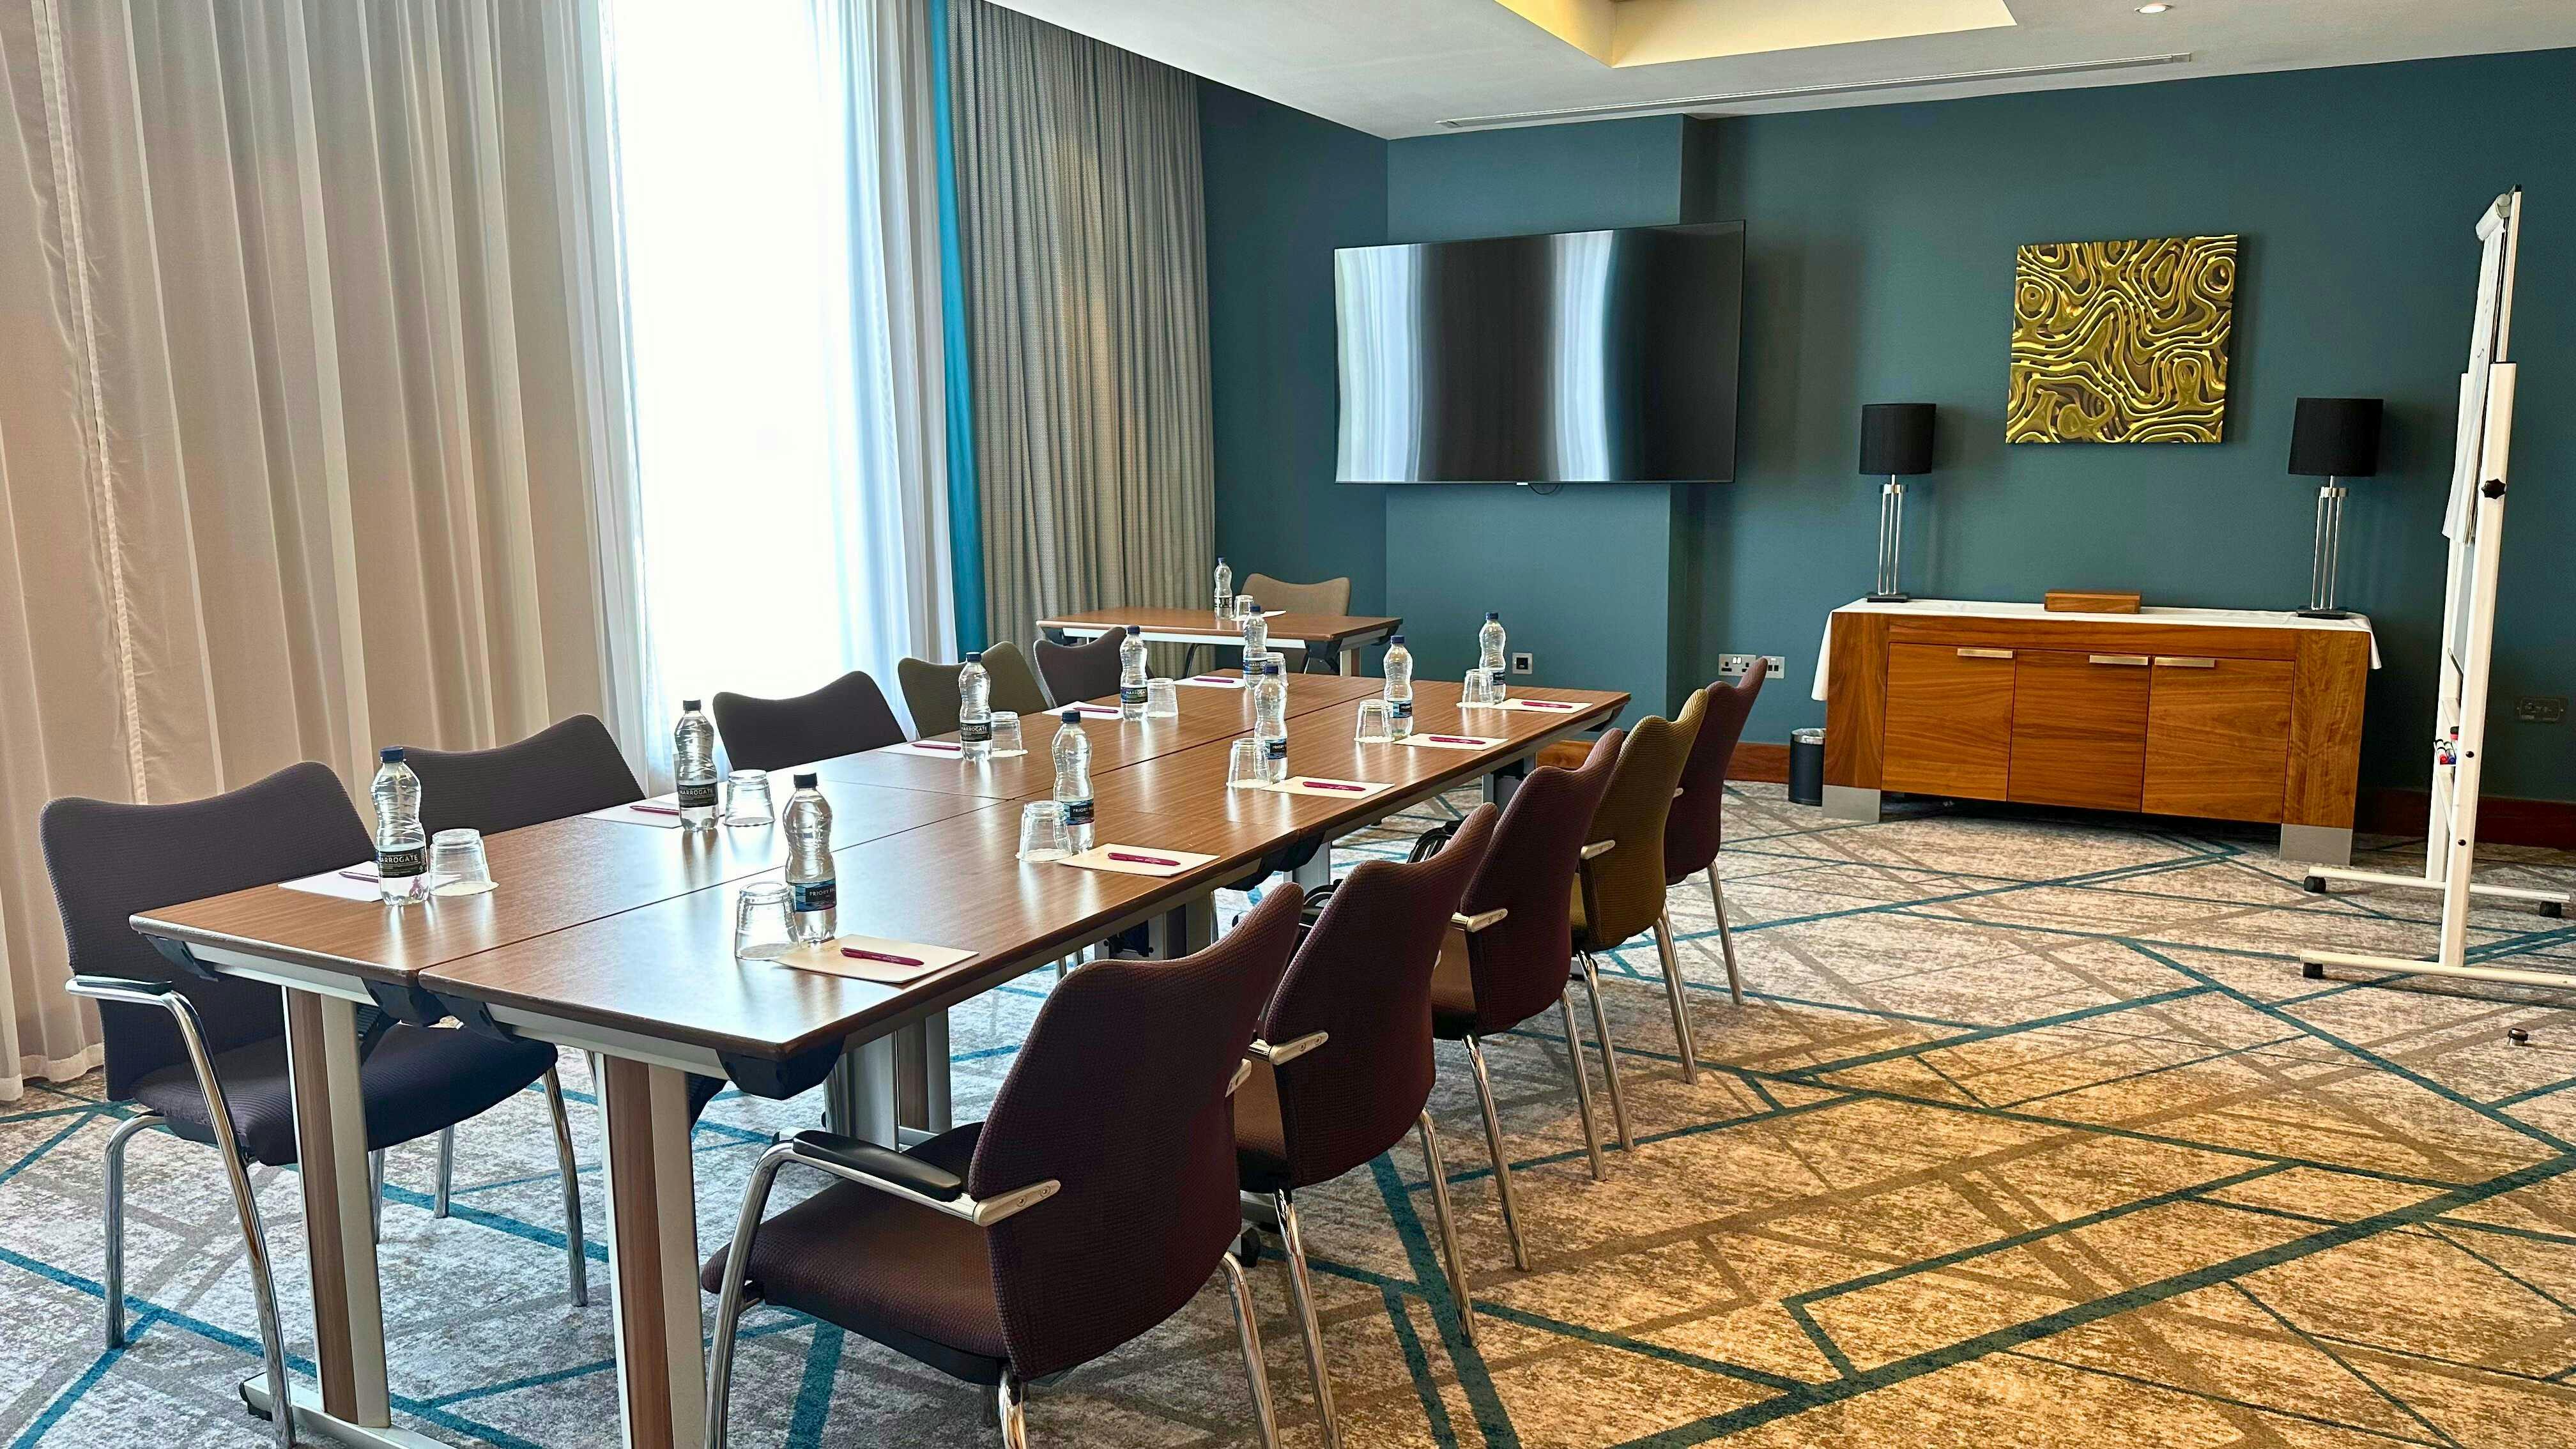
(2218, 737)
(1949, 720)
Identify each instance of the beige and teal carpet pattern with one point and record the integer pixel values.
(2030, 1133)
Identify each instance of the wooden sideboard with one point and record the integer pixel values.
(2209, 713)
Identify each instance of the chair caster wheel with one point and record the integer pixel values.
(1247, 1249)
(2312, 971)
(2314, 885)
(2554, 910)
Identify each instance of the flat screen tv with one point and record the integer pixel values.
(1580, 357)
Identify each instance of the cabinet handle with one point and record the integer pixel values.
(2134, 661)
(2178, 661)
(1985, 654)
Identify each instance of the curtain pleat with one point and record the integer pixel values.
(1085, 271)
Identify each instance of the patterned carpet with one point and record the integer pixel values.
(2031, 1135)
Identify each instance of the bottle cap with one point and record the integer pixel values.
(806, 781)
(1134, 629)
(1071, 716)
(1493, 618)
(1270, 666)
(1220, 558)
(1394, 639)
(391, 754)
(688, 706)
(975, 656)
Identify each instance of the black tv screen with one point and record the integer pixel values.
(1580, 357)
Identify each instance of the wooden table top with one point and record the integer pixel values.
(1315, 629)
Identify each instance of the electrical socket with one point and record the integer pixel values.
(2541, 709)
(1733, 666)
(1524, 662)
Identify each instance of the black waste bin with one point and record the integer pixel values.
(1807, 767)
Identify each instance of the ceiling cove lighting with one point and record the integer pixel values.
(1787, 93)
(2157, 8)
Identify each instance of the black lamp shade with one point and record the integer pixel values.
(1896, 438)
(2335, 437)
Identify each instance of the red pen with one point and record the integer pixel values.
(362, 873)
(935, 745)
(1332, 785)
(1453, 739)
(1140, 859)
(1209, 679)
(1544, 704)
(654, 807)
(856, 954)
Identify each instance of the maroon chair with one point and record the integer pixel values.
(1088, 1208)
(1511, 956)
(844, 717)
(1076, 672)
(1344, 1067)
(1695, 828)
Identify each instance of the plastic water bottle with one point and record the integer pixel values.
(812, 893)
(1073, 780)
(1490, 656)
(1224, 591)
(693, 761)
(1256, 638)
(1131, 676)
(1399, 689)
(402, 849)
(975, 711)
(1270, 721)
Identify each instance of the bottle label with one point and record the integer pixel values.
(1131, 694)
(1076, 812)
(698, 797)
(1276, 749)
(402, 864)
(1400, 709)
(976, 732)
(813, 895)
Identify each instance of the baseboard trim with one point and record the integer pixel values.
(2502, 820)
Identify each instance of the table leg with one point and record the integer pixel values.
(1183, 930)
(331, 1148)
(653, 1253)
(1318, 869)
(1350, 659)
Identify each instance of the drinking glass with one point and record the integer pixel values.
(1474, 690)
(457, 864)
(763, 924)
(1006, 734)
(1162, 699)
(1243, 605)
(1374, 723)
(1243, 764)
(1042, 833)
(747, 798)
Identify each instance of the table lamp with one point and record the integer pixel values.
(1896, 443)
(2333, 438)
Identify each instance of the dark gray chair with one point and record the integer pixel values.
(930, 690)
(1088, 1208)
(844, 717)
(207, 1059)
(1075, 672)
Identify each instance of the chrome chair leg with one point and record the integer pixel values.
(446, 1171)
(1502, 1160)
(1609, 1052)
(1673, 991)
(576, 1247)
(1301, 1289)
(729, 1302)
(376, 1194)
(1439, 1170)
(1582, 1084)
(1725, 937)
(1250, 1332)
(1010, 1401)
(114, 1222)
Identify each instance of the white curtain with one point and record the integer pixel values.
(776, 187)
(306, 417)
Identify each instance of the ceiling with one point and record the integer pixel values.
(1402, 67)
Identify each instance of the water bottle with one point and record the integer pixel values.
(693, 761)
(975, 711)
(402, 849)
(1270, 721)
(1399, 689)
(1224, 592)
(1073, 780)
(1256, 638)
(1131, 676)
(812, 893)
(1490, 656)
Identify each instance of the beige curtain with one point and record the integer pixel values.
(304, 423)
(1086, 295)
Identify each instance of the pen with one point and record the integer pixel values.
(1140, 859)
(1332, 785)
(1453, 739)
(856, 954)
(934, 745)
(654, 807)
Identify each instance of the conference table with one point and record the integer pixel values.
(1340, 635)
(613, 934)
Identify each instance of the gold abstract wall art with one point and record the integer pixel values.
(2121, 341)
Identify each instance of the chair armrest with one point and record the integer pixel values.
(896, 1175)
(1242, 1074)
(1479, 921)
(192, 1039)
(1286, 1051)
(1599, 848)
(124, 989)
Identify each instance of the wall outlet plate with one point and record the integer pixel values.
(1736, 666)
(2541, 709)
(1524, 662)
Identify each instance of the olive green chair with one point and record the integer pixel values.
(1619, 888)
(930, 690)
(1277, 596)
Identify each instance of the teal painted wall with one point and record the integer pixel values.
(1881, 243)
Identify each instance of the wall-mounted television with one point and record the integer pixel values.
(1578, 357)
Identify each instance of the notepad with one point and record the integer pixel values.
(1321, 785)
(1138, 860)
(944, 750)
(1209, 681)
(1093, 711)
(661, 812)
(1534, 706)
(872, 958)
(356, 883)
(1448, 742)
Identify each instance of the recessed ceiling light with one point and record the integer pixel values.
(2159, 7)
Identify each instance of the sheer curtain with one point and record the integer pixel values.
(777, 204)
(300, 422)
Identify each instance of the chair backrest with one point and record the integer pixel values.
(1332, 596)
(1080, 671)
(1623, 887)
(1119, 1093)
(1692, 835)
(930, 690)
(1520, 963)
(109, 861)
(1363, 976)
(846, 716)
(568, 768)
